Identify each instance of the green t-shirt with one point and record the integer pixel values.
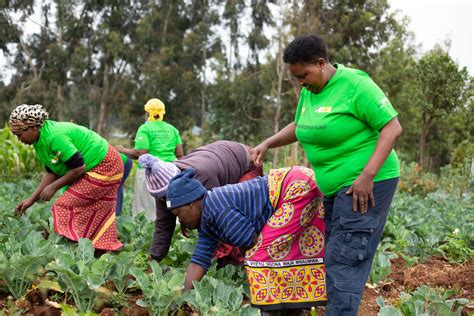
(59, 141)
(159, 138)
(124, 158)
(339, 128)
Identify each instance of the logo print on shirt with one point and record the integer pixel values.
(56, 158)
(384, 102)
(324, 109)
(302, 110)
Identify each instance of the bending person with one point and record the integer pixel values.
(159, 139)
(216, 164)
(77, 157)
(279, 219)
(348, 129)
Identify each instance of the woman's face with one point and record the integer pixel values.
(28, 136)
(309, 75)
(189, 215)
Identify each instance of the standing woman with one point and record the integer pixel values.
(348, 129)
(157, 138)
(77, 157)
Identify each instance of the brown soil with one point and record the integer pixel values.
(43, 311)
(133, 309)
(107, 312)
(435, 272)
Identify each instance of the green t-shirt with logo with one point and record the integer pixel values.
(339, 128)
(59, 141)
(159, 138)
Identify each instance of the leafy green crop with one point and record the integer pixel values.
(381, 266)
(22, 261)
(162, 291)
(423, 226)
(213, 297)
(424, 302)
(81, 274)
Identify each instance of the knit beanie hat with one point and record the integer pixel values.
(158, 174)
(183, 189)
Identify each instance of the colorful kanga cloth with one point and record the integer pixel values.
(228, 254)
(285, 268)
(87, 207)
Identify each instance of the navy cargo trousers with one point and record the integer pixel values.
(351, 241)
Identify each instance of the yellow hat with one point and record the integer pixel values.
(155, 107)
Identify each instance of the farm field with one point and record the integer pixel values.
(338, 84)
(424, 265)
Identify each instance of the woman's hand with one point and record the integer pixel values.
(184, 231)
(257, 153)
(47, 193)
(21, 208)
(284, 137)
(362, 193)
(119, 148)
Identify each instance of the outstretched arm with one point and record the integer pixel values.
(165, 223)
(195, 273)
(284, 137)
(48, 178)
(131, 152)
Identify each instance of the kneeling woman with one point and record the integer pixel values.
(279, 219)
(77, 157)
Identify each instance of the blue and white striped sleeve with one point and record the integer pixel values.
(236, 228)
(204, 251)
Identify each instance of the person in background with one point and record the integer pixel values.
(216, 164)
(348, 129)
(159, 139)
(127, 167)
(77, 157)
(279, 219)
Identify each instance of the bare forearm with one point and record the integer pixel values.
(386, 142)
(179, 151)
(195, 273)
(48, 178)
(71, 176)
(130, 153)
(284, 137)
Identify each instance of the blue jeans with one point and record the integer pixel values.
(126, 171)
(351, 241)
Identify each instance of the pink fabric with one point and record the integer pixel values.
(285, 268)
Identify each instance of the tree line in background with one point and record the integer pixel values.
(217, 65)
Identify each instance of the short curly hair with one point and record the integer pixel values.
(305, 49)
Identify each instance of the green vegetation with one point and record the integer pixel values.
(97, 63)
(32, 256)
(424, 301)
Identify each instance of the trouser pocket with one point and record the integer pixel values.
(352, 245)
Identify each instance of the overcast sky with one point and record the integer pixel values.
(433, 21)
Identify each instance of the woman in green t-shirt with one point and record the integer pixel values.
(77, 157)
(348, 129)
(157, 138)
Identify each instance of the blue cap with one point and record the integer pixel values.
(184, 189)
